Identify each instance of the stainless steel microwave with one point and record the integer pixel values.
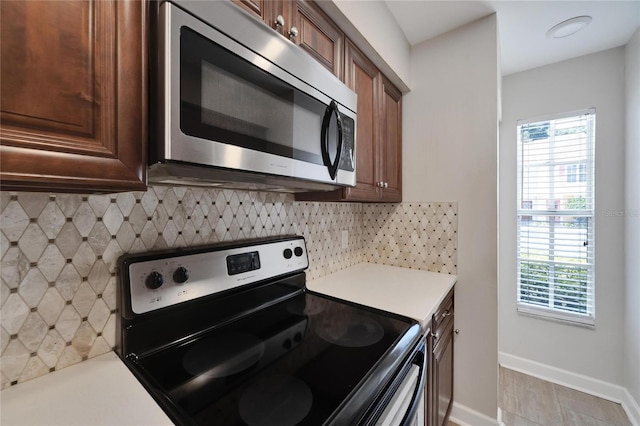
(240, 106)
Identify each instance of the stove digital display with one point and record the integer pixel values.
(245, 262)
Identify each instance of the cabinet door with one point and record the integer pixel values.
(318, 36)
(442, 361)
(364, 79)
(257, 8)
(275, 13)
(390, 143)
(74, 95)
(443, 375)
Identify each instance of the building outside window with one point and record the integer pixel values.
(577, 172)
(555, 217)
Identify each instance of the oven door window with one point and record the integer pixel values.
(225, 98)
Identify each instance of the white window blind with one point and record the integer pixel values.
(555, 217)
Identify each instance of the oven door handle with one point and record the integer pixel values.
(420, 359)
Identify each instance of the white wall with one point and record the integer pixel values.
(595, 80)
(390, 44)
(449, 130)
(632, 220)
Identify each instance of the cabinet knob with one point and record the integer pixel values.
(279, 21)
(457, 331)
(293, 32)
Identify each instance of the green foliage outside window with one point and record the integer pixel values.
(569, 285)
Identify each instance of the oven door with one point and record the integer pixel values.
(403, 403)
(230, 107)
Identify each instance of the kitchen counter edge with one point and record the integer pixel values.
(410, 292)
(99, 391)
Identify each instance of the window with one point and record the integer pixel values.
(555, 217)
(577, 172)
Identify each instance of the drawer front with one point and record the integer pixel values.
(442, 333)
(442, 377)
(444, 313)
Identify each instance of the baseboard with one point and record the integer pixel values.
(575, 381)
(632, 408)
(465, 416)
(500, 422)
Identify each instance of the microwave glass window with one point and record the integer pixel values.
(229, 102)
(225, 98)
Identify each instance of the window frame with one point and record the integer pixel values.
(584, 173)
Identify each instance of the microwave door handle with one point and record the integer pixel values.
(332, 166)
(420, 360)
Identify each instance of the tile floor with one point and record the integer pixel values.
(528, 401)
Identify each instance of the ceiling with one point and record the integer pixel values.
(523, 24)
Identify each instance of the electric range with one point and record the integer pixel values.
(229, 335)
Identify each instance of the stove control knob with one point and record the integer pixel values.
(181, 275)
(154, 280)
(298, 251)
(287, 253)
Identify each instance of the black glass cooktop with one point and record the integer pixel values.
(292, 363)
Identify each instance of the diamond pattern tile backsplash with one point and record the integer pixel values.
(59, 254)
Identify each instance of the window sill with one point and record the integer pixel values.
(555, 316)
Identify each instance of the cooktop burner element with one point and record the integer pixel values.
(278, 400)
(359, 332)
(239, 340)
(222, 356)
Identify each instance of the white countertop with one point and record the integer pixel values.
(102, 390)
(99, 391)
(409, 292)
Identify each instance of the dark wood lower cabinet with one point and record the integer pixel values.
(443, 376)
(440, 384)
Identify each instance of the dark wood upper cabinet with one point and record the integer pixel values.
(390, 144)
(305, 24)
(379, 124)
(363, 77)
(255, 7)
(74, 95)
(274, 13)
(378, 135)
(318, 36)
